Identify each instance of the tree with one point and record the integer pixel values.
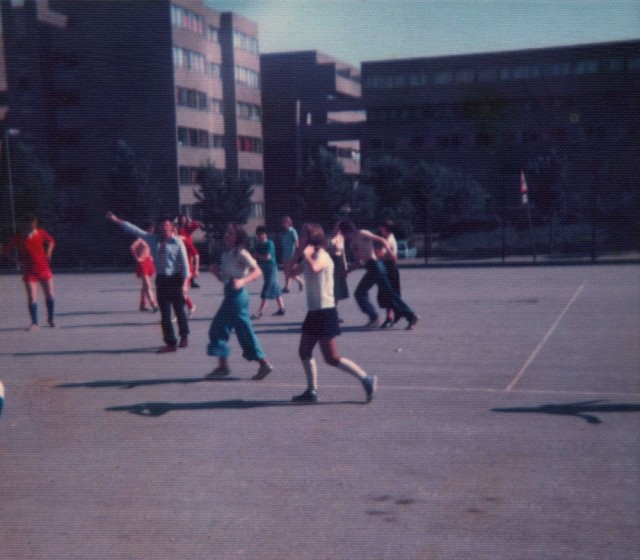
(129, 191)
(387, 177)
(325, 190)
(221, 199)
(33, 185)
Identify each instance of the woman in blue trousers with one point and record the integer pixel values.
(237, 269)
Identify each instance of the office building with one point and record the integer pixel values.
(178, 82)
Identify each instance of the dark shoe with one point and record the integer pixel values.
(370, 384)
(309, 396)
(220, 371)
(143, 308)
(256, 316)
(52, 324)
(412, 323)
(184, 342)
(167, 348)
(372, 324)
(263, 371)
(279, 313)
(388, 323)
(194, 285)
(285, 290)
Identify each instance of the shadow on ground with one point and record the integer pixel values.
(584, 410)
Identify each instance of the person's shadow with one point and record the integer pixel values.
(161, 408)
(584, 409)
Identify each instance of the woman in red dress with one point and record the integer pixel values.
(145, 269)
(35, 248)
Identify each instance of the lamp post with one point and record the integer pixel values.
(10, 132)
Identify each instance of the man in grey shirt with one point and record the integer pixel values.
(172, 277)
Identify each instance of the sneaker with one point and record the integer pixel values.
(263, 371)
(194, 285)
(52, 324)
(220, 371)
(370, 384)
(167, 348)
(300, 285)
(192, 311)
(144, 308)
(309, 396)
(32, 327)
(279, 313)
(155, 309)
(256, 316)
(372, 324)
(412, 323)
(184, 342)
(388, 323)
(285, 290)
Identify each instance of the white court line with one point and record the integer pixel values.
(552, 328)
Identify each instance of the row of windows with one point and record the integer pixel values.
(193, 60)
(417, 113)
(247, 76)
(250, 144)
(516, 138)
(199, 138)
(245, 42)
(186, 19)
(248, 111)
(195, 99)
(507, 73)
(189, 175)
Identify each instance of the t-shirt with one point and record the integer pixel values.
(236, 263)
(320, 284)
(31, 252)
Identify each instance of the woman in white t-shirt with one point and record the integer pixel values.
(237, 269)
(321, 323)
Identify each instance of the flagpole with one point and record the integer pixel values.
(524, 193)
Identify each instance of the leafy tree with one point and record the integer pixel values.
(325, 190)
(32, 184)
(129, 191)
(387, 179)
(221, 199)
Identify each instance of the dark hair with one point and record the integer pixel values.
(260, 230)
(388, 225)
(345, 226)
(241, 235)
(314, 235)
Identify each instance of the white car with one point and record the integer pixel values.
(406, 252)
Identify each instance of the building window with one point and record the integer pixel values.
(245, 42)
(213, 70)
(191, 60)
(257, 209)
(192, 98)
(195, 138)
(188, 175)
(251, 176)
(213, 34)
(186, 19)
(249, 112)
(247, 76)
(249, 144)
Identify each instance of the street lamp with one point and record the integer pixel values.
(10, 132)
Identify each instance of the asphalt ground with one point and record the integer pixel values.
(505, 426)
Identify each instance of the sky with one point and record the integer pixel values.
(354, 31)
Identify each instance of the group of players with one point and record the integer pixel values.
(169, 253)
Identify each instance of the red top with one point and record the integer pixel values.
(191, 251)
(31, 254)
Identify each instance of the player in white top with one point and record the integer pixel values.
(321, 323)
(237, 269)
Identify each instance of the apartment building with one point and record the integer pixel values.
(310, 99)
(175, 80)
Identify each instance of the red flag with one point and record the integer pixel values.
(523, 188)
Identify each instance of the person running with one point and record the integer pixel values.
(35, 249)
(362, 242)
(186, 226)
(170, 256)
(237, 269)
(145, 270)
(289, 245)
(265, 253)
(321, 323)
(388, 258)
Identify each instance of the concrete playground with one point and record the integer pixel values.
(505, 426)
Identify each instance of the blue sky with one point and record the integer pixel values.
(358, 30)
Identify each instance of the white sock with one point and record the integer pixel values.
(354, 369)
(311, 370)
